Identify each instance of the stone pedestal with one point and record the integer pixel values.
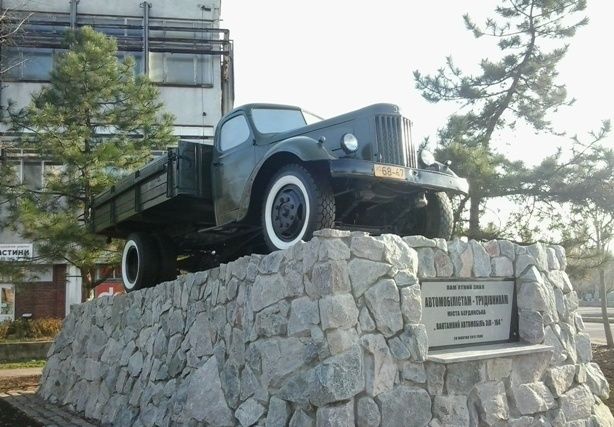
(329, 333)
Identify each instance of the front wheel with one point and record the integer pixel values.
(297, 202)
(140, 261)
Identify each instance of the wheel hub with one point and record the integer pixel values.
(288, 212)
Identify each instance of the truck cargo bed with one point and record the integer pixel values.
(173, 189)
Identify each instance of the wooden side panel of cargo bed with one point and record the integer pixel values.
(125, 204)
(103, 217)
(153, 192)
(174, 188)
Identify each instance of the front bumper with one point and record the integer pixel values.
(420, 178)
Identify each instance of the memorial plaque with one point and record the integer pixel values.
(468, 312)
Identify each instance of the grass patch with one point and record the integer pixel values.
(23, 364)
(22, 340)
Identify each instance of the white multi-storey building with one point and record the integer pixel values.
(178, 44)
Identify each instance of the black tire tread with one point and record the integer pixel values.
(167, 267)
(324, 193)
(440, 219)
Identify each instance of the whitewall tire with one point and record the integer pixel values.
(140, 261)
(296, 203)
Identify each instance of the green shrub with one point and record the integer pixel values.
(4, 329)
(20, 329)
(45, 328)
(30, 328)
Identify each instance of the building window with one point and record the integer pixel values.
(181, 68)
(52, 171)
(46, 26)
(7, 302)
(15, 166)
(136, 56)
(32, 175)
(127, 31)
(108, 272)
(39, 273)
(28, 63)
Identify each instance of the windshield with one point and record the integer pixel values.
(311, 118)
(271, 120)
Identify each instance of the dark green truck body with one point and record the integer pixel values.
(270, 173)
(175, 188)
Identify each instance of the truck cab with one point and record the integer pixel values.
(363, 161)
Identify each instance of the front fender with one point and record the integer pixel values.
(305, 148)
(302, 147)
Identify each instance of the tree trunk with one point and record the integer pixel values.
(87, 289)
(474, 216)
(458, 213)
(604, 309)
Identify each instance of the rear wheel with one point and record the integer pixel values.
(296, 203)
(167, 268)
(435, 220)
(140, 261)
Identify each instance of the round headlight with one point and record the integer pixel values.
(427, 157)
(349, 143)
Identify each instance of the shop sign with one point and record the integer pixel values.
(15, 251)
(108, 289)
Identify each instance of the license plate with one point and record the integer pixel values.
(387, 171)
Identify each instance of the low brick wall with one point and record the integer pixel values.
(14, 352)
(327, 333)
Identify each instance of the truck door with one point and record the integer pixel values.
(233, 162)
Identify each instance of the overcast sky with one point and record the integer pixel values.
(332, 56)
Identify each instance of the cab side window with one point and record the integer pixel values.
(234, 132)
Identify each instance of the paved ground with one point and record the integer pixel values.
(21, 372)
(593, 324)
(596, 332)
(41, 411)
(20, 406)
(595, 312)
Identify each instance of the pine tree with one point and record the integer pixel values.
(519, 86)
(98, 119)
(572, 200)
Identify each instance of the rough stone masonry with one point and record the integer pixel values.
(327, 333)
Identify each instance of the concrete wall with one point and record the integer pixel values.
(329, 333)
(14, 352)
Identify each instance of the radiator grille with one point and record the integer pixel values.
(394, 144)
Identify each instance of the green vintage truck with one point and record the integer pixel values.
(274, 175)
